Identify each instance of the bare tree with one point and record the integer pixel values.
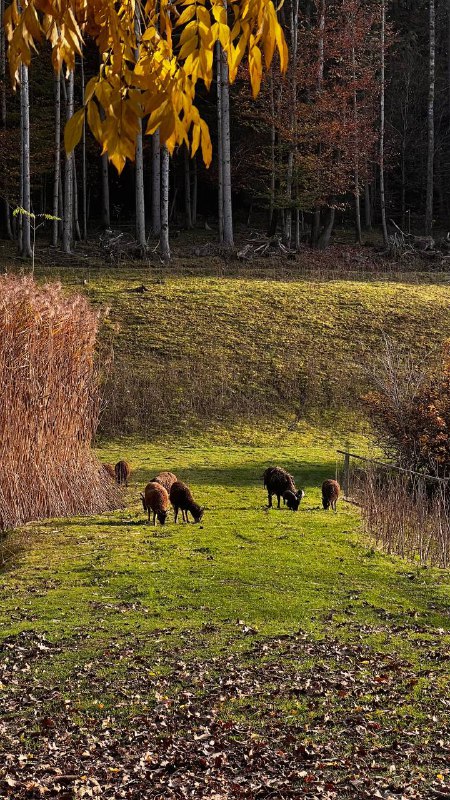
(431, 90)
(187, 188)
(219, 138)
(3, 106)
(164, 238)
(228, 239)
(83, 160)
(139, 165)
(25, 242)
(68, 175)
(383, 122)
(356, 145)
(156, 184)
(57, 211)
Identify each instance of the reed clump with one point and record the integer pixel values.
(49, 405)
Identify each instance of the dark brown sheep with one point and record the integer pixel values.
(293, 499)
(181, 498)
(122, 472)
(156, 499)
(277, 481)
(109, 469)
(166, 479)
(330, 494)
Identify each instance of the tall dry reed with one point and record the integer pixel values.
(49, 405)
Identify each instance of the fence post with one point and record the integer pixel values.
(347, 471)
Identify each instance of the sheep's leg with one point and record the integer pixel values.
(278, 498)
(148, 512)
(154, 519)
(185, 516)
(175, 513)
(270, 499)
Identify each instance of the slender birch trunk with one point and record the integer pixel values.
(194, 191)
(25, 250)
(367, 206)
(139, 166)
(273, 140)
(228, 238)
(382, 123)
(356, 141)
(187, 189)
(164, 237)
(219, 139)
(156, 184)
(431, 92)
(83, 161)
(293, 122)
(56, 210)
(68, 175)
(76, 220)
(3, 110)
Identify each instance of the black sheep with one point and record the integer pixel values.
(277, 481)
(181, 498)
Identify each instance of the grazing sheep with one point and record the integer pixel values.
(156, 499)
(122, 472)
(166, 479)
(292, 499)
(277, 481)
(330, 494)
(181, 497)
(109, 469)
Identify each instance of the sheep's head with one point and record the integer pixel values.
(162, 516)
(300, 495)
(197, 512)
(143, 501)
(326, 503)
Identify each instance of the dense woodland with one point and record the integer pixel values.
(356, 130)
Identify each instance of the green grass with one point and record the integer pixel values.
(276, 570)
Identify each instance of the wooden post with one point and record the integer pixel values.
(347, 473)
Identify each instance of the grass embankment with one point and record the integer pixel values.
(135, 654)
(203, 348)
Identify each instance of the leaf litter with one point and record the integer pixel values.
(259, 717)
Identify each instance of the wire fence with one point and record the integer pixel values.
(405, 512)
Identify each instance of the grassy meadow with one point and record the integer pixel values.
(262, 653)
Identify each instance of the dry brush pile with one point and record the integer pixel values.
(49, 405)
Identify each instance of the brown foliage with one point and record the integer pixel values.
(411, 411)
(50, 405)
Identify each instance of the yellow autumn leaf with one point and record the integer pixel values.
(73, 131)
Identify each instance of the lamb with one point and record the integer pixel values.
(181, 497)
(330, 494)
(292, 500)
(166, 479)
(122, 472)
(109, 469)
(277, 481)
(156, 499)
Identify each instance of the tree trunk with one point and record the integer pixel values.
(367, 206)
(3, 109)
(187, 189)
(156, 184)
(76, 221)
(431, 85)
(287, 234)
(68, 175)
(273, 141)
(83, 161)
(356, 141)
(382, 123)
(194, 191)
(219, 140)
(106, 217)
(228, 239)
(25, 249)
(140, 199)
(324, 238)
(164, 238)
(56, 210)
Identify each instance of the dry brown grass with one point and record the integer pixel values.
(50, 405)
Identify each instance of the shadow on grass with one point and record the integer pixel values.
(246, 475)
